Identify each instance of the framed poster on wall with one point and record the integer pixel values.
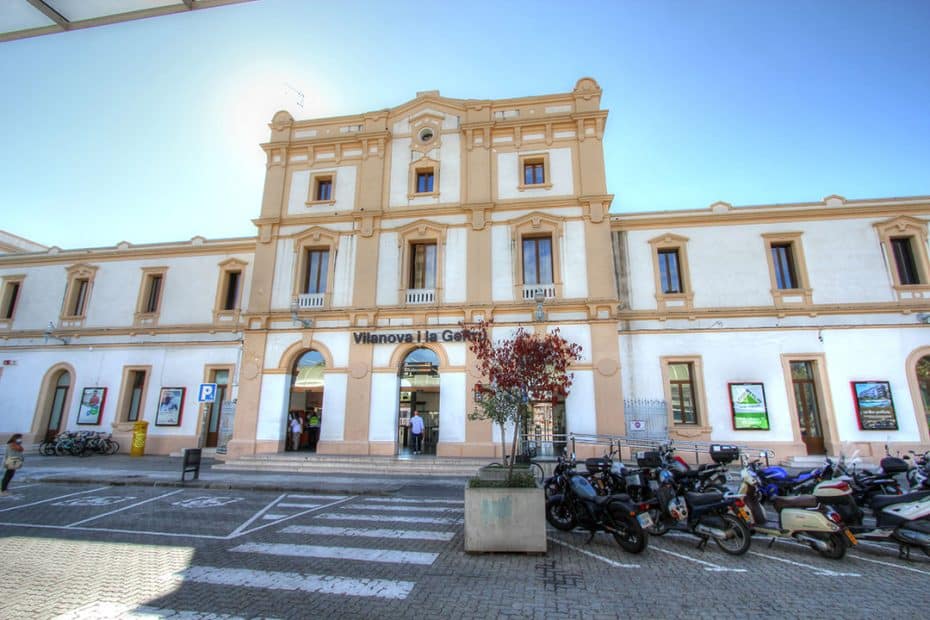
(92, 401)
(170, 404)
(874, 406)
(747, 404)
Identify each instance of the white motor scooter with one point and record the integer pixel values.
(802, 518)
(904, 519)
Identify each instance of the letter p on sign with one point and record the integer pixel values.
(206, 393)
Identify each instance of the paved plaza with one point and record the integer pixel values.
(102, 551)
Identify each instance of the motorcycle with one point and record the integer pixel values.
(801, 518)
(776, 481)
(580, 505)
(904, 519)
(704, 515)
(918, 476)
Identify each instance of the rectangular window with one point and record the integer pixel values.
(669, 273)
(537, 260)
(136, 392)
(534, 172)
(904, 260)
(684, 401)
(324, 189)
(231, 297)
(79, 297)
(424, 181)
(10, 297)
(423, 266)
(152, 293)
(317, 270)
(783, 261)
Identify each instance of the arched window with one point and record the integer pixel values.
(923, 381)
(308, 371)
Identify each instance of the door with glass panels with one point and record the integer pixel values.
(806, 403)
(57, 407)
(221, 378)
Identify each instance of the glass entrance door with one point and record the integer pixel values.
(221, 378)
(806, 402)
(57, 407)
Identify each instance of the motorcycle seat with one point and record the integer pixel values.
(880, 501)
(801, 501)
(702, 499)
(604, 499)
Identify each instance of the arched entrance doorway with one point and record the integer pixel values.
(306, 402)
(55, 407)
(923, 383)
(419, 392)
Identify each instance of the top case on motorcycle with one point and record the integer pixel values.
(595, 465)
(880, 501)
(894, 465)
(702, 499)
(801, 501)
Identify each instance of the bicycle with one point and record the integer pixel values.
(535, 469)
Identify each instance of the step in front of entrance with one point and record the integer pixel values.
(355, 465)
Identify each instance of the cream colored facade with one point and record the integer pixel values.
(378, 229)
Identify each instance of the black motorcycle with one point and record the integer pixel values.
(579, 505)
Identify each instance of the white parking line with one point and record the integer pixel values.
(708, 566)
(339, 553)
(107, 514)
(613, 563)
(355, 516)
(323, 497)
(242, 532)
(114, 530)
(52, 499)
(256, 516)
(272, 517)
(326, 584)
(325, 530)
(823, 572)
(891, 564)
(291, 505)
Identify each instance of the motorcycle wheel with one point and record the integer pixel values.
(630, 535)
(660, 526)
(836, 546)
(739, 542)
(560, 515)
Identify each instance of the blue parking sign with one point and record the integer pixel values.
(206, 393)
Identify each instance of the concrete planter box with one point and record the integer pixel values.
(511, 520)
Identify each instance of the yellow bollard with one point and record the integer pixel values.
(139, 432)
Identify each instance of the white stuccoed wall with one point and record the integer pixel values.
(344, 192)
(41, 295)
(830, 248)
(501, 263)
(574, 259)
(580, 413)
(455, 279)
(103, 367)
(449, 155)
(333, 420)
(284, 270)
(336, 342)
(509, 174)
(451, 407)
(344, 273)
(272, 413)
(382, 423)
(388, 258)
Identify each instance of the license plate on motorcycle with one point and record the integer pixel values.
(852, 539)
(644, 519)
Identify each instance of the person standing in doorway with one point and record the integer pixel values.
(416, 432)
(12, 460)
(296, 430)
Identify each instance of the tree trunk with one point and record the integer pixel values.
(513, 449)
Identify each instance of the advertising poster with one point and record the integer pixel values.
(874, 406)
(747, 401)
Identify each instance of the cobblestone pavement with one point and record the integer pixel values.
(82, 551)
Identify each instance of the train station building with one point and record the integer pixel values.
(804, 328)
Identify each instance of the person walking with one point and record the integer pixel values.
(416, 432)
(12, 460)
(296, 430)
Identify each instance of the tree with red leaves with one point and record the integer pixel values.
(526, 368)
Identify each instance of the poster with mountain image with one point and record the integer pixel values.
(748, 403)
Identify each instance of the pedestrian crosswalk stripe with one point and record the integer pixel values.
(274, 580)
(408, 500)
(324, 530)
(272, 517)
(330, 498)
(403, 508)
(289, 505)
(339, 553)
(357, 516)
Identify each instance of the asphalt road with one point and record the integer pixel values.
(98, 551)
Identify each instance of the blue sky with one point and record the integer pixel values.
(148, 131)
